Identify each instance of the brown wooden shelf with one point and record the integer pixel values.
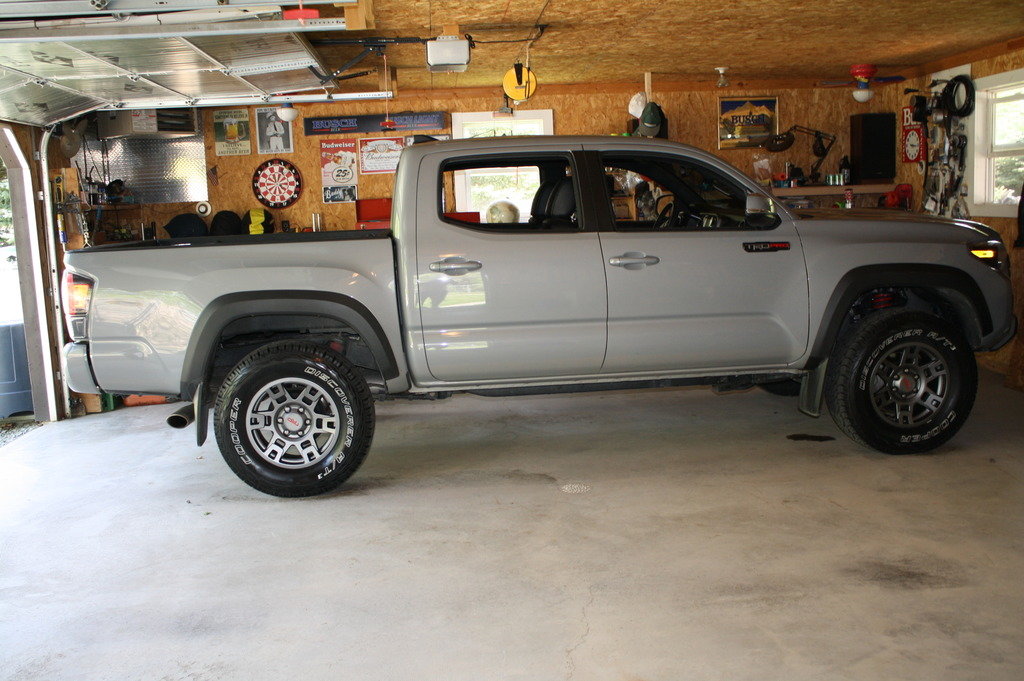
(116, 206)
(833, 190)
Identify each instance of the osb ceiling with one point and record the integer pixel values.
(617, 40)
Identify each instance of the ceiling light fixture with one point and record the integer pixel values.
(863, 94)
(722, 80)
(287, 112)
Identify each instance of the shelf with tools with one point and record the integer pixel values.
(832, 190)
(115, 206)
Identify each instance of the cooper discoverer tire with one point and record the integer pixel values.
(294, 419)
(901, 382)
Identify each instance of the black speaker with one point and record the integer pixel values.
(872, 147)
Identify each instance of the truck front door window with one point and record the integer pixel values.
(671, 193)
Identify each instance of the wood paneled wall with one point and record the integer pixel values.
(692, 119)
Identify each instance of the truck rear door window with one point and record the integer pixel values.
(510, 194)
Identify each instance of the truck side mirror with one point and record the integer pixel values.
(760, 213)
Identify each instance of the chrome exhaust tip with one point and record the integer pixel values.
(182, 417)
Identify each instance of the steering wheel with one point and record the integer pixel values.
(666, 216)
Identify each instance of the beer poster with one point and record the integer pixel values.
(379, 154)
(746, 121)
(338, 170)
(231, 132)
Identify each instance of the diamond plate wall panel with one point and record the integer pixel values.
(159, 170)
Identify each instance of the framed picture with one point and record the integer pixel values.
(273, 136)
(346, 193)
(231, 132)
(746, 121)
(379, 154)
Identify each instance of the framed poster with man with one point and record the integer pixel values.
(273, 136)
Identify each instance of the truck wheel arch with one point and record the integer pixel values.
(956, 287)
(220, 312)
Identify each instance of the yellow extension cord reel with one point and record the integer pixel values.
(519, 83)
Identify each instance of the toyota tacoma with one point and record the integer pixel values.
(589, 263)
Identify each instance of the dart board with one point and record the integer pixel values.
(277, 183)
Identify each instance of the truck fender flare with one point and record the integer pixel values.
(861, 279)
(223, 310)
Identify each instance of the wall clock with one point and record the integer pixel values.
(277, 183)
(913, 145)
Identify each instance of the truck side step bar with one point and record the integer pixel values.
(721, 383)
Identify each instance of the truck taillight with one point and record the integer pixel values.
(77, 297)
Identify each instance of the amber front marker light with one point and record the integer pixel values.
(992, 253)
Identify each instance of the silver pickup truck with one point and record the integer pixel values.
(597, 263)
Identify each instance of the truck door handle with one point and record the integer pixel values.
(633, 260)
(455, 266)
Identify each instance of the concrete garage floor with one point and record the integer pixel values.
(624, 536)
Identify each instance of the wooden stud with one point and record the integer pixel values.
(647, 85)
(359, 17)
(450, 29)
(384, 83)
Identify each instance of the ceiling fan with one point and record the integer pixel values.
(863, 75)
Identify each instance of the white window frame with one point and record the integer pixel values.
(979, 166)
(459, 119)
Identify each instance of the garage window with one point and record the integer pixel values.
(996, 167)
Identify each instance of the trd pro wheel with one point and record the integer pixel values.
(294, 419)
(901, 382)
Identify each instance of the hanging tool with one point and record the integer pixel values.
(58, 207)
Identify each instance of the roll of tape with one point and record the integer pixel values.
(203, 208)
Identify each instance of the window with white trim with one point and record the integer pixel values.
(996, 165)
(1007, 144)
(480, 189)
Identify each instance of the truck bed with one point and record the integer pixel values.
(150, 297)
(242, 240)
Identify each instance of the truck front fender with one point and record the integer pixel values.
(967, 299)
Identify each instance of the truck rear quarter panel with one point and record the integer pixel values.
(146, 301)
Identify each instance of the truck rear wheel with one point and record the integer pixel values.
(901, 382)
(294, 419)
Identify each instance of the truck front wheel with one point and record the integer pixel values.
(294, 419)
(901, 382)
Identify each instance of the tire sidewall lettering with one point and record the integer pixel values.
(948, 416)
(260, 376)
